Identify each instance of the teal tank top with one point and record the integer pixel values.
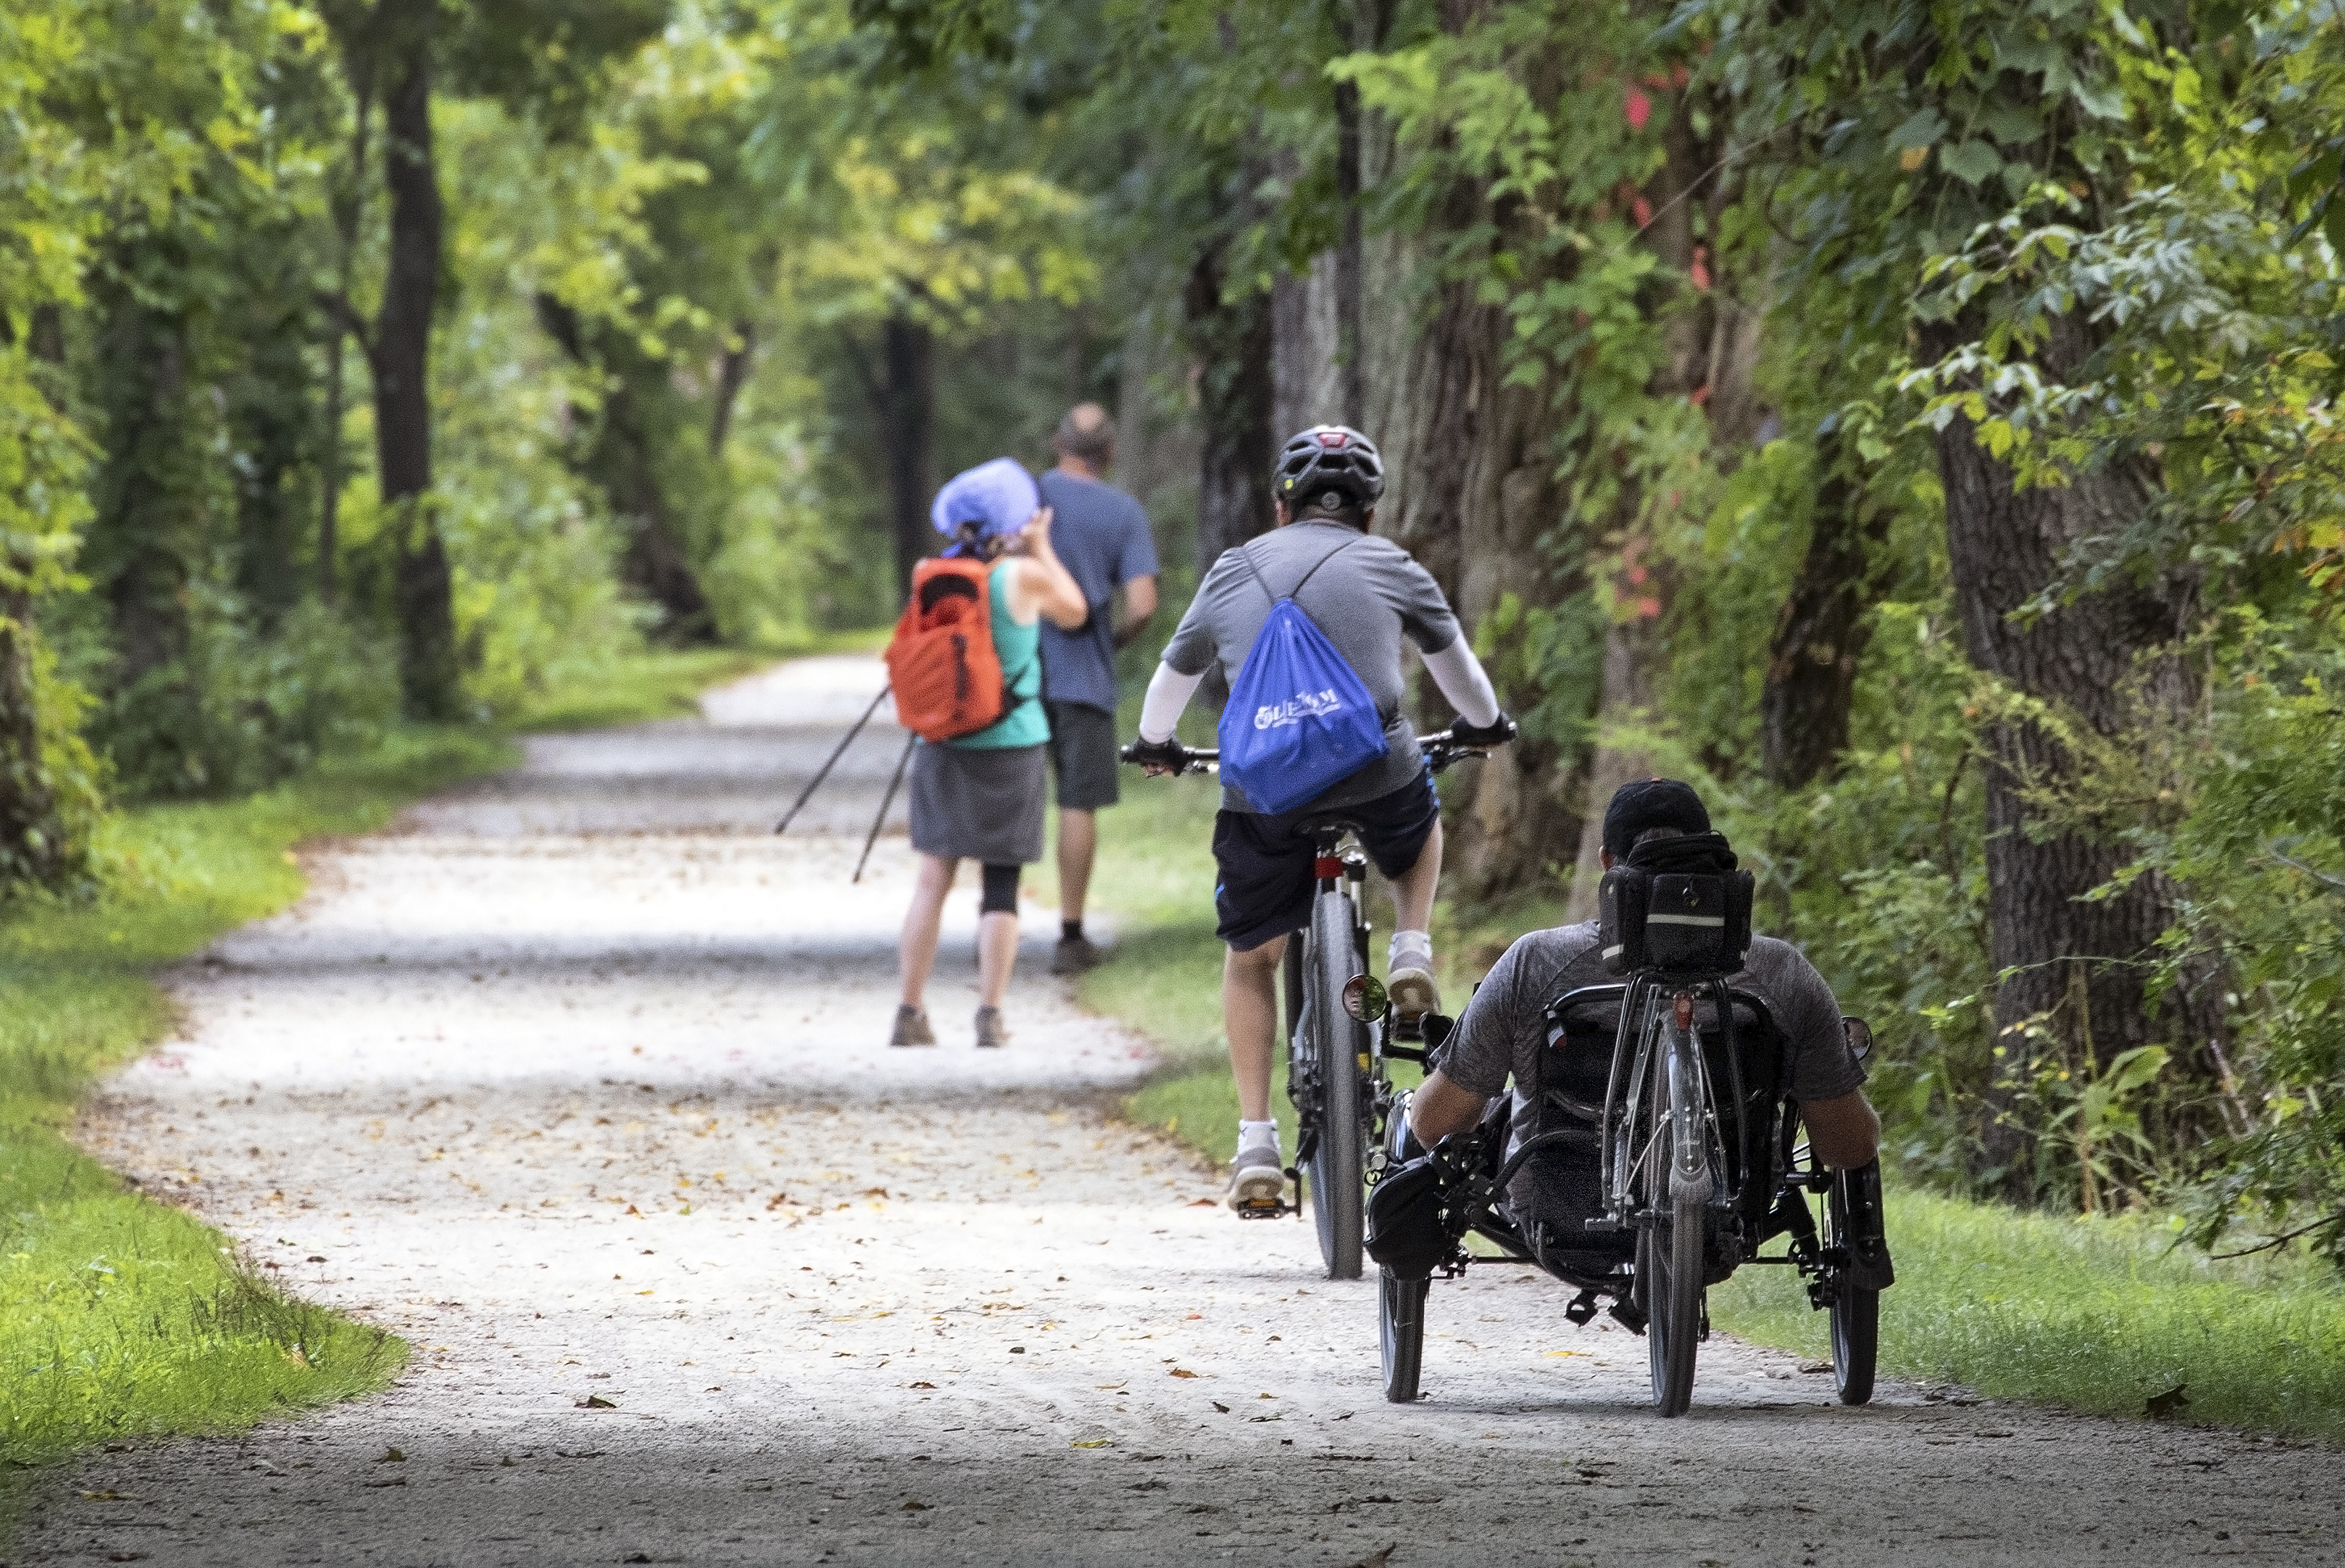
(1020, 649)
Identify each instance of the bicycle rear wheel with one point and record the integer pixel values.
(1670, 1248)
(1335, 1041)
(1856, 1313)
(1400, 1333)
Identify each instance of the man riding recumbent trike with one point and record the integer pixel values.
(1681, 1094)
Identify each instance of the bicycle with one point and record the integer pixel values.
(1689, 1184)
(1336, 1070)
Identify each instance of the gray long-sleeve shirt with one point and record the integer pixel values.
(1364, 600)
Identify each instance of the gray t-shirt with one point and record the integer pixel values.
(1500, 1035)
(1364, 599)
(1100, 535)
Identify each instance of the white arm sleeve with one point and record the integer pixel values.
(1459, 675)
(1167, 692)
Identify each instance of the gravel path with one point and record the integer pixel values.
(573, 1080)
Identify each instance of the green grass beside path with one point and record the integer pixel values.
(122, 1317)
(2096, 1314)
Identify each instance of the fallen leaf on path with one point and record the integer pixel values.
(919, 1385)
(1815, 1366)
(1553, 1353)
(1221, 1407)
(875, 1192)
(1204, 1203)
(1376, 1559)
(1092, 1442)
(392, 1456)
(597, 1402)
(913, 1508)
(1178, 1372)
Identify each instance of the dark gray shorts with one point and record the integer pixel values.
(982, 803)
(1083, 755)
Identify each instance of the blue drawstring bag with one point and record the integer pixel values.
(1299, 719)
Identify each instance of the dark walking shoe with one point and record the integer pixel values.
(912, 1028)
(991, 1034)
(1075, 955)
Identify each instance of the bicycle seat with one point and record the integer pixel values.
(1331, 823)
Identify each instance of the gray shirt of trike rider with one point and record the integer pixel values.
(1500, 1035)
(1364, 600)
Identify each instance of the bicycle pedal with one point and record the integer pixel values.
(1277, 1209)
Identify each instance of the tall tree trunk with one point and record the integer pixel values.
(1821, 631)
(1229, 329)
(35, 847)
(349, 204)
(2077, 965)
(619, 459)
(1470, 492)
(733, 366)
(908, 428)
(422, 589)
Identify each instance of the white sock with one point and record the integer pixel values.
(1258, 1135)
(1410, 949)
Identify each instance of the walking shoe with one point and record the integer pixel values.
(1257, 1180)
(991, 1034)
(1412, 990)
(912, 1028)
(1074, 955)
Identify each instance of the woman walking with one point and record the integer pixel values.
(980, 796)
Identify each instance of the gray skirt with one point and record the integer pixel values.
(978, 804)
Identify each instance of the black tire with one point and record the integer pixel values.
(1334, 1040)
(1856, 1313)
(1400, 1333)
(1669, 1263)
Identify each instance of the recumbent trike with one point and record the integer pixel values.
(1648, 1171)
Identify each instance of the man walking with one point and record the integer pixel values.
(1101, 537)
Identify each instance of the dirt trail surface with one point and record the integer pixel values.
(574, 1080)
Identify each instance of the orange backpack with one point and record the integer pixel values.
(942, 666)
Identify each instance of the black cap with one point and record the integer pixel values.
(1642, 804)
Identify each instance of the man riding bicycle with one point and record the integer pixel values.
(1364, 594)
(1498, 1038)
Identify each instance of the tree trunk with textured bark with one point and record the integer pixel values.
(1228, 328)
(908, 431)
(2078, 965)
(422, 588)
(1822, 632)
(618, 458)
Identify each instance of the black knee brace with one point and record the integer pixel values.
(1000, 894)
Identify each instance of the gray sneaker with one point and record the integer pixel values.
(1074, 955)
(991, 1034)
(912, 1028)
(1257, 1180)
(1413, 990)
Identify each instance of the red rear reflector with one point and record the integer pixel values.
(1327, 865)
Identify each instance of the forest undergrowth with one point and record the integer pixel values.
(2099, 1313)
(122, 1317)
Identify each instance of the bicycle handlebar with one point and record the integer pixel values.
(1440, 750)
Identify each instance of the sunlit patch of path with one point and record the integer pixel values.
(576, 1081)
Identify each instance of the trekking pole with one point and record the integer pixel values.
(884, 801)
(824, 771)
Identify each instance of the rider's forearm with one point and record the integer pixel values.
(1461, 679)
(1167, 692)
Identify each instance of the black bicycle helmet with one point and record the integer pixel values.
(1329, 467)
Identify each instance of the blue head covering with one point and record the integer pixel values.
(1000, 496)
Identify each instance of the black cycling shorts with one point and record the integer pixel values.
(1266, 879)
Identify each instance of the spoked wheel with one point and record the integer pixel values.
(1856, 1313)
(1400, 1323)
(1669, 1248)
(1335, 1041)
